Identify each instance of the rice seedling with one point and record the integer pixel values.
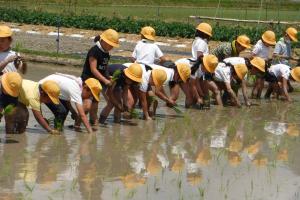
(116, 75)
(8, 109)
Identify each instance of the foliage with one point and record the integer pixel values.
(130, 25)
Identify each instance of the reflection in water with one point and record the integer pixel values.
(217, 153)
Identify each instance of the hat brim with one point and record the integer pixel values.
(95, 95)
(245, 45)
(268, 41)
(182, 77)
(206, 65)
(6, 87)
(149, 37)
(294, 39)
(238, 72)
(53, 99)
(129, 75)
(258, 67)
(113, 44)
(203, 31)
(294, 76)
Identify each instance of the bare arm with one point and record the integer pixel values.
(162, 95)
(83, 117)
(40, 119)
(232, 94)
(143, 100)
(285, 90)
(244, 91)
(96, 73)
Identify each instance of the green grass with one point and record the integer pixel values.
(169, 10)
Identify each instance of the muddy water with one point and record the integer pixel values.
(218, 154)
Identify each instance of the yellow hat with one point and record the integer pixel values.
(244, 41)
(296, 74)
(52, 90)
(292, 33)
(269, 37)
(5, 31)
(205, 28)
(259, 63)
(210, 62)
(159, 76)
(12, 83)
(94, 86)
(111, 37)
(184, 71)
(148, 32)
(134, 72)
(241, 70)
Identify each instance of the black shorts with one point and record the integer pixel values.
(270, 77)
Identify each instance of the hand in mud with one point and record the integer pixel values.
(171, 102)
(248, 104)
(54, 132)
(127, 115)
(200, 106)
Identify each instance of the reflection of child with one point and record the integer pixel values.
(10, 61)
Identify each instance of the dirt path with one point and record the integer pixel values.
(78, 41)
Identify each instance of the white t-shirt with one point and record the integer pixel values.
(10, 67)
(223, 73)
(146, 52)
(145, 81)
(199, 45)
(261, 50)
(198, 74)
(169, 72)
(280, 70)
(70, 86)
(235, 60)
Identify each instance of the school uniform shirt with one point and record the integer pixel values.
(30, 95)
(70, 87)
(282, 48)
(102, 58)
(261, 50)
(169, 72)
(199, 45)
(223, 73)
(10, 67)
(6, 99)
(146, 52)
(198, 74)
(280, 70)
(225, 50)
(236, 61)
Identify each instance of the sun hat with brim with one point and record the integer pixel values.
(259, 63)
(52, 89)
(292, 33)
(159, 76)
(244, 41)
(148, 32)
(210, 62)
(241, 70)
(134, 72)
(296, 74)
(269, 38)
(5, 31)
(184, 71)
(205, 28)
(95, 87)
(111, 37)
(12, 83)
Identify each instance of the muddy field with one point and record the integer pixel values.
(248, 153)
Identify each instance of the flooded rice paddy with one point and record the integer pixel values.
(236, 154)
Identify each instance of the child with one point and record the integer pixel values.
(146, 52)
(278, 76)
(283, 49)
(177, 77)
(262, 49)
(73, 90)
(256, 66)
(11, 83)
(225, 75)
(96, 64)
(199, 48)
(32, 94)
(10, 61)
(120, 94)
(155, 78)
(232, 49)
